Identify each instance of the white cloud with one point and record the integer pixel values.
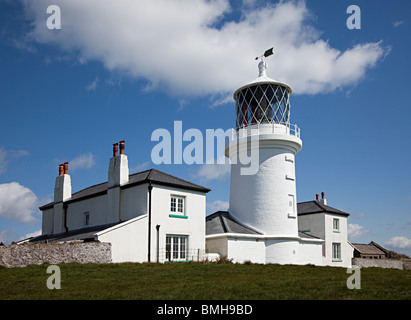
(6, 155)
(83, 161)
(31, 234)
(399, 242)
(217, 205)
(356, 231)
(208, 172)
(397, 23)
(140, 167)
(17, 203)
(192, 48)
(92, 86)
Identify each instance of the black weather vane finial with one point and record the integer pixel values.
(266, 54)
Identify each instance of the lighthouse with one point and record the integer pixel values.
(266, 201)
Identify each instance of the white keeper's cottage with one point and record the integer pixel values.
(147, 216)
(153, 216)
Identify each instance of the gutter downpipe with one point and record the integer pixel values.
(150, 187)
(158, 243)
(65, 229)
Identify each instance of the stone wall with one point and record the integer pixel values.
(382, 263)
(21, 255)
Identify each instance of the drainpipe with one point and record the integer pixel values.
(150, 187)
(158, 243)
(65, 206)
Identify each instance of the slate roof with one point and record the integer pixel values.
(223, 222)
(316, 206)
(367, 249)
(154, 176)
(80, 234)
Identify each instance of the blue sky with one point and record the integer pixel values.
(120, 70)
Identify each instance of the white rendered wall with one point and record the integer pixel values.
(217, 245)
(282, 251)
(133, 201)
(128, 240)
(310, 252)
(47, 221)
(264, 249)
(96, 207)
(246, 249)
(266, 200)
(332, 236)
(193, 226)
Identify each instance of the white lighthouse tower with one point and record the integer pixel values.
(266, 201)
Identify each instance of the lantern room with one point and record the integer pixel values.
(262, 101)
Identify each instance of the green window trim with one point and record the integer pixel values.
(177, 216)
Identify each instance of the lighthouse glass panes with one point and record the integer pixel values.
(263, 103)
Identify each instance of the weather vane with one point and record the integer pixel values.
(266, 54)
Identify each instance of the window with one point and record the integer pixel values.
(336, 251)
(86, 218)
(336, 225)
(176, 248)
(177, 207)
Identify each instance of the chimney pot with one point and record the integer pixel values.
(122, 146)
(66, 168)
(61, 168)
(322, 195)
(115, 149)
(317, 197)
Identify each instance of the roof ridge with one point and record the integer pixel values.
(175, 177)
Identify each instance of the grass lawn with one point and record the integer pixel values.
(198, 281)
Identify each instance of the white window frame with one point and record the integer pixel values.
(177, 205)
(336, 225)
(176, 247)
(336, 252)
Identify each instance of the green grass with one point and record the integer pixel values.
(198, 281)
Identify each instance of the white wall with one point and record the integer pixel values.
(128, 240)
(331, 236)
(47, 221)
(310, 252)
(282, 251)
(134, 201)
(217, 245)
(266, 200)
(193, 226)
(246, 249)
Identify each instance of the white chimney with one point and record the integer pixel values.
(117, 176)
(62, 188)
(323, 200)
(62, 193)
(118, 169)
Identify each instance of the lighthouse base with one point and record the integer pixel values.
(230, 238)
(242, 248)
